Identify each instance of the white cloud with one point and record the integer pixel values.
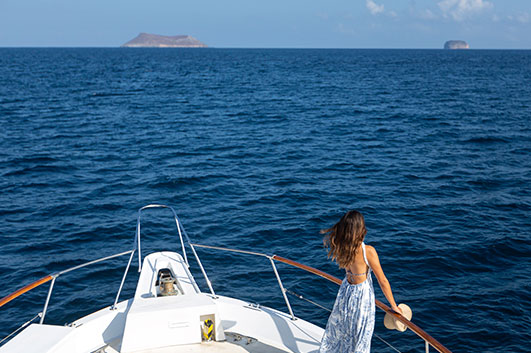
(373, 7)
(461, 9)
(523, 17)
(426, 14)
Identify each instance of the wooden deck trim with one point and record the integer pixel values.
(24, 289)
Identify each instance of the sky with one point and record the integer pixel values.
(484, 24)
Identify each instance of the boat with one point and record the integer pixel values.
(169, 313)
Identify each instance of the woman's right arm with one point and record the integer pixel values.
(374, 262)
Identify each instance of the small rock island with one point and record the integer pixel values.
(146, 40)
(456, 44)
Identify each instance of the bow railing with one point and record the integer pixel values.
(52, 277)
(429, 340)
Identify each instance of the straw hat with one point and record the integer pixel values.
(393, 324)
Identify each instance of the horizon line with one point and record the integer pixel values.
(231, 47)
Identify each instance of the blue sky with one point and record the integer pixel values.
(271, 23)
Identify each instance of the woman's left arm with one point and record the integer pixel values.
(374, 262)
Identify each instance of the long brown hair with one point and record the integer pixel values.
(345, 237)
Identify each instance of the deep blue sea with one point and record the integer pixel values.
(259, 150)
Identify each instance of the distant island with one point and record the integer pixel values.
(456, 44)
(146, 40)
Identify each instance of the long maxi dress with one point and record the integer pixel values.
(351, 323)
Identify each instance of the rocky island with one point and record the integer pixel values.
(456, 44)
(146, 40)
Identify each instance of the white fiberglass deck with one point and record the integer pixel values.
(169, 313)
(151, 322)
(234, 343)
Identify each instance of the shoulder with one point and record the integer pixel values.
(371, 251)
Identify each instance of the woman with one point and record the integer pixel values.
(350, 326)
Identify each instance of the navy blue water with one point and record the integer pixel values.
(259, 150)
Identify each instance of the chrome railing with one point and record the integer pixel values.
(429, 341)
(271, 260)
(136, 247)
(52, 277)
(181, 231)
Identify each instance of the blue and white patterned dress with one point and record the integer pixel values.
(351, 323)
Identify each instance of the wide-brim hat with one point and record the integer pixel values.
(394, 324)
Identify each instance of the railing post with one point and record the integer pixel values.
(47, 301)
(180, 237)
(427, 346)
(137, 235)
(201, 267)
(113, 307)
(137, 241)
(282, 288)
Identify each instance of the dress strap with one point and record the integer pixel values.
(364, 254)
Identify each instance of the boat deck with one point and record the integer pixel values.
(235, 343)
(169, 313)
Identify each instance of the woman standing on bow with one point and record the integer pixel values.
(351, 323)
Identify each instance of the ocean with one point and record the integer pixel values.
(259, 149)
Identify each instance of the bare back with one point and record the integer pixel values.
(357, 271)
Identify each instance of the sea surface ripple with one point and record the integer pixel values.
(259, 150)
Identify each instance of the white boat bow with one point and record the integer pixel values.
(169, 313)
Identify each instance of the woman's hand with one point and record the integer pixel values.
(396, 309)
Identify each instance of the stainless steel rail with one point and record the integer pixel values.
(177, 223)
(181, 231)
(56, 275)
(429, 340)
(21, 327)
(136, 246)
(262, 255)
(53, 277)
